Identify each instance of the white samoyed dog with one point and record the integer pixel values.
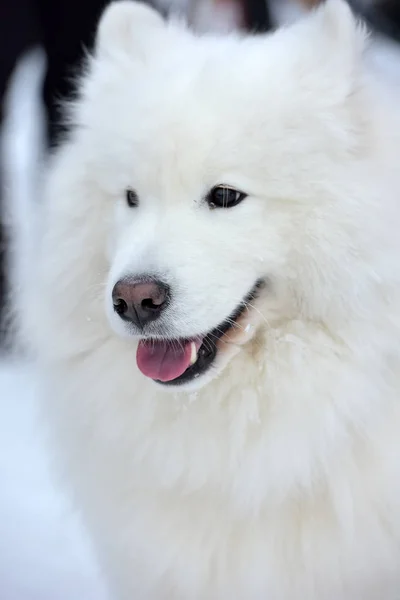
(215, 306)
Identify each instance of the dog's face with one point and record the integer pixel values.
(207, 154)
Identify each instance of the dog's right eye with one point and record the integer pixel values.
(132, 198)
(223, 196)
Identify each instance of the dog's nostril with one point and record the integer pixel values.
(120, 306)
(152, 303)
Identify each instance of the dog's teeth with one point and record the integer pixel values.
(193, 355)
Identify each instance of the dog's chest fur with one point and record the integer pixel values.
(251, 488)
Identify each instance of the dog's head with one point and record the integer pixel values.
(217, 168)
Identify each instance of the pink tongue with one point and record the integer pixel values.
(163, 360)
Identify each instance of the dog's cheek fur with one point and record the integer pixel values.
(66, 284)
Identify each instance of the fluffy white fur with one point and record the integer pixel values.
(277, 476)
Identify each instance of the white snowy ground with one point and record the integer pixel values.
(44, 554)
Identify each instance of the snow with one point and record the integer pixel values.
(44, 554)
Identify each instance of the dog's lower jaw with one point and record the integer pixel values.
(251, 344)
(195, 384)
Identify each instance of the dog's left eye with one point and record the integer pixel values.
(223, 196)
(132, 199)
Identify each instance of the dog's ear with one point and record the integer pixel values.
(338, 29)
(335, 44)
(126, 26)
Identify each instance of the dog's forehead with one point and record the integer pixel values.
(180, 119)
(230, 108)
(204, 107)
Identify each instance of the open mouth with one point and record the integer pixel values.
(176, 362)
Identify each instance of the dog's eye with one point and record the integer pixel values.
(223, 196)
(132, 199)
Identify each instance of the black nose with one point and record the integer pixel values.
(140, 301)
